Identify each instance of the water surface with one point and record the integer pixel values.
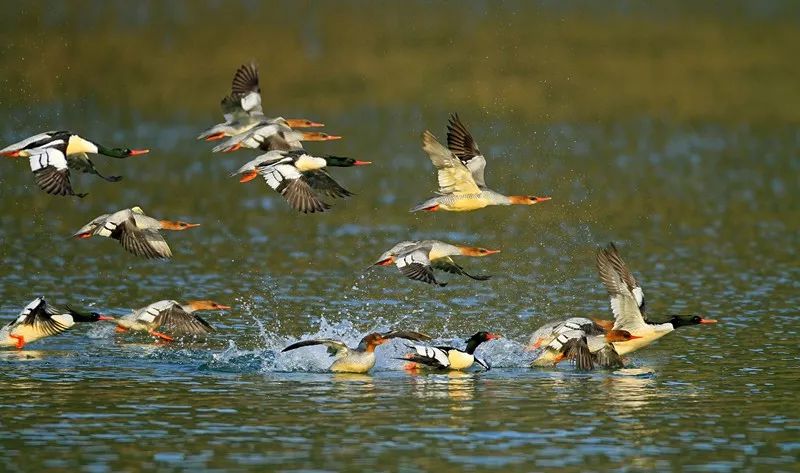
(694, 175)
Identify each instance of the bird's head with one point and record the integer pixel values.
(683, 320)
(476, 251)
(318, 136)
(206, 304)
(177, 225)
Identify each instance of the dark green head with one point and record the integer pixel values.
(86, 316)
(344, 162)
(478, 338)
(683, 320)
(120, 152)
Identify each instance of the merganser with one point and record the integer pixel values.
(178, 319)
(362, 358)
(264, 130)
(54, 153)
(76, 145)
(242, 108)
(628, 304)
(449, 358)
(417, 259)
(459, 190)
(39, 320)
(589, 350)
(135, 231)
(546, 333)
(299, 177)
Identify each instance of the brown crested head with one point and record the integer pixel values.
(302, 123)
(177, 225)
(476, 251)
(206, 304)
(619, 336)
(319, 136)
(369, 342)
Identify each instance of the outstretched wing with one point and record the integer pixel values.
(461, 143)
(624, 303)
(82, 163)
(50, 171)
(407, 334)
(608, 358)
(429, 356)
(577, 349)
(322, 182)
(335, 347)
(416, 265)
(245, 88)
(626, 275)
(454, 177)
(176, 320)
(38, 316)
(447, 264)
(293, 186)
(144, 243)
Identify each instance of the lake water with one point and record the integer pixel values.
(648, 127)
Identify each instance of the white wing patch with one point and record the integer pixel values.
(638, 294)
(28, 309)
(251, 102)
(276, 174)
(43, 157)
(149, 314)
(558, 343)
(432, 352)
(418, 257)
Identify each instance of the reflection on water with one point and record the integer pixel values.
(456, 386)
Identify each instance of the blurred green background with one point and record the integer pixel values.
(669, 127)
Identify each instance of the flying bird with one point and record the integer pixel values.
(136, 232)
(170, 316)
(299, 177)
(52, 154)
(460, 174)
(242, 108)
(39, 320)
(417, 259)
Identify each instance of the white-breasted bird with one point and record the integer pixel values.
(136, 232)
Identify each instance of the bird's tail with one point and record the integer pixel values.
(430, 205)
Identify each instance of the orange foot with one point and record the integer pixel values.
(215, 136)
(432, 208)
(538, 343)
(249, 176)
(20, 341)
(411, 367)
(161, 335)
(120, 329)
